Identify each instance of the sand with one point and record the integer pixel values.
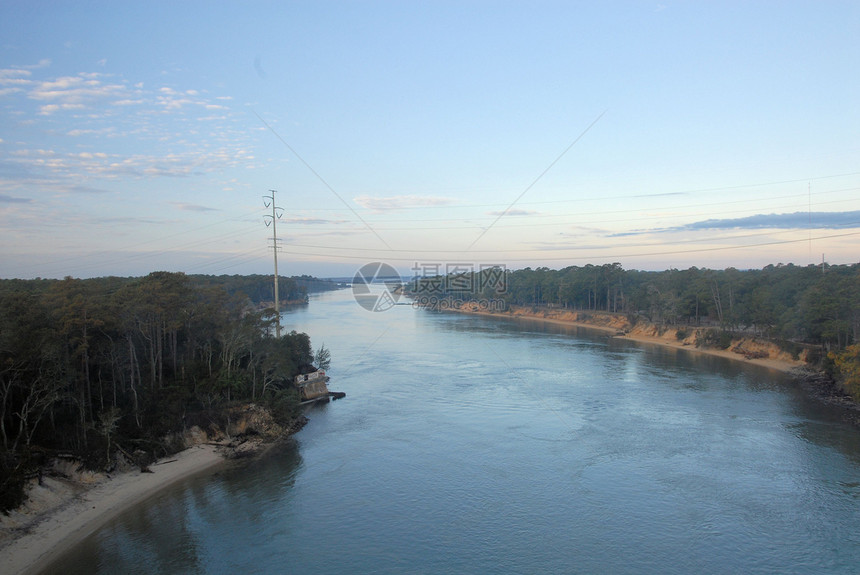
(781, 363)
(43, 536)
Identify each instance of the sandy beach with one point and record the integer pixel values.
(34, 538)
(784, 365)
(776, 360)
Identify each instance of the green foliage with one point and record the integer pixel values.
(847, 367)
(322, 358)
(88, 366)
(260, 288)
(285, 406)
(714, 338)
(811, 304)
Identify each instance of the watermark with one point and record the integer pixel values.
(464, 279)
(434, 303)
(378, 286)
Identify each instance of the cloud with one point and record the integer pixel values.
(4, 199)
(796, 220)
(100, 164)
(103, 127)
(662, 195)
(792, 221)
(390, 203)
(15, 76)
(193, 207)
(99, 92)
(513, 212)
(310, 221)
(85, 190)
(90, 132)
(76, 90)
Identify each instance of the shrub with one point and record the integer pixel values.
(847, 364)
(713, 338)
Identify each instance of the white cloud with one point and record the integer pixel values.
(193, 207)
(91, 132)
(100, 164)
(49, 109)
(128, 102)
(4, 199)
(104, 129)
(75, 93)
(15, 76)
(789, 221)
(513, 212)
(311, 221)
(390, 203)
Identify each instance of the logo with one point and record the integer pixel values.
(376, 286)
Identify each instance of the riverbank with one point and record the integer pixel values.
(62, 512)
(746, 349)
(68, 503)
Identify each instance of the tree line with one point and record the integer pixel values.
(87, 365)
(815, 304)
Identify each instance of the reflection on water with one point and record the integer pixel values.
(181, 530)
(475, 445)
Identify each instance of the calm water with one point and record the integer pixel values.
(474, 445)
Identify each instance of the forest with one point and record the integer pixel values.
(816, 305)
(91, 366)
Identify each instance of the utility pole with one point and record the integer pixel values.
(809, 226)
(272, 220)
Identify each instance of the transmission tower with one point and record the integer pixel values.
(271, 220)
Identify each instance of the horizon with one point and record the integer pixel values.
(655, 135)
(348, 278)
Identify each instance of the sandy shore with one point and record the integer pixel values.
(782, 364)
(777, 364)
(42, 537)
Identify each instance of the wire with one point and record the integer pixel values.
(610, 255)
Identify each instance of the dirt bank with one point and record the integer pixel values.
(61, 512)
(68, 503)
(747, 349)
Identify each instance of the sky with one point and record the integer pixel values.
(139, 137)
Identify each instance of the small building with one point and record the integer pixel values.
(311, 383)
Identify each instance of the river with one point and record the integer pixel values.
(474, 445)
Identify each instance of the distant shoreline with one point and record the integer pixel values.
(42, 536)
(817, 385)
(778, 361)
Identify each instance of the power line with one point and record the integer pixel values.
(536, 180)
(610, 255)
(320, 178)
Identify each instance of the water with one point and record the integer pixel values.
(482, 445)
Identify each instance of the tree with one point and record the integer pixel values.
(322, 358)
(847, 365)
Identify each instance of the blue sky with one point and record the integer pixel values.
(143, 136)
